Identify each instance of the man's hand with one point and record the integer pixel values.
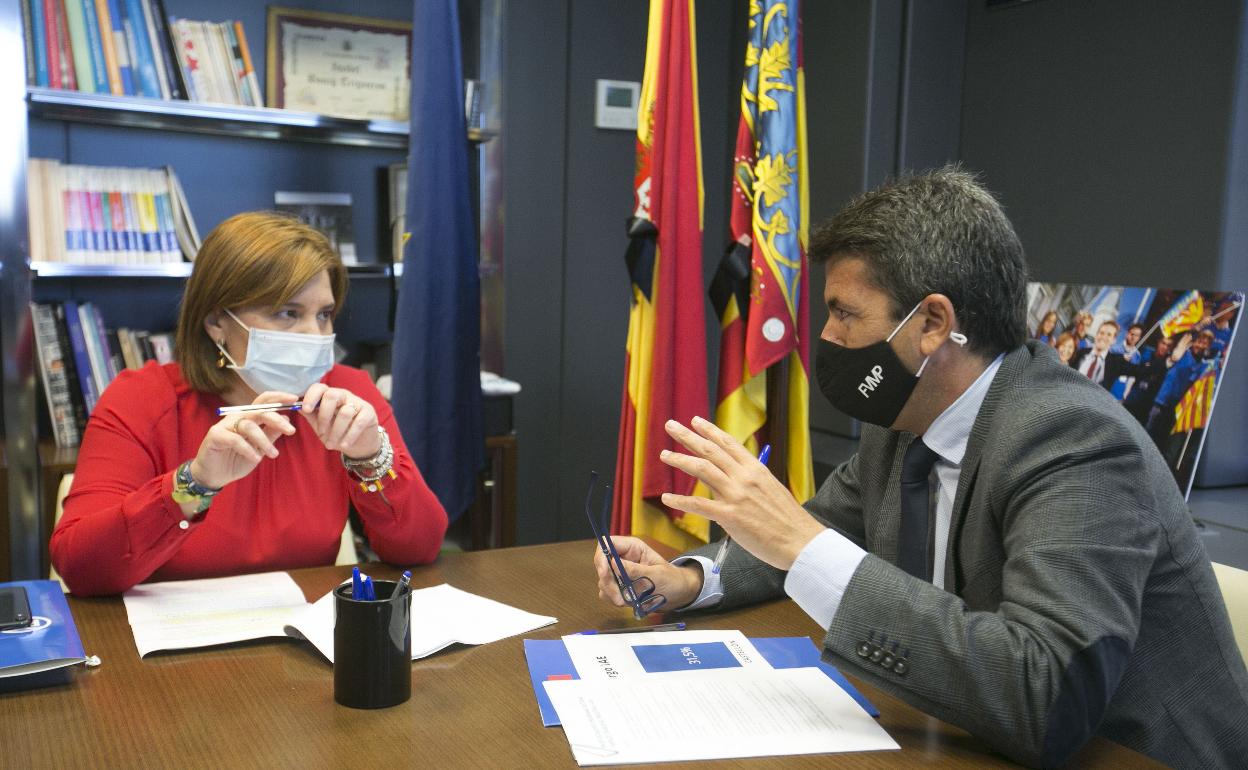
(681, 585)
(750, 504)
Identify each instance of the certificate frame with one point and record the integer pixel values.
(317, 74)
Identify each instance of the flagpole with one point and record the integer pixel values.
(778, 419)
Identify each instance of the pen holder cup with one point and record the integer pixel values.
(372, 648)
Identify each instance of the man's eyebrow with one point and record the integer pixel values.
(836, 303)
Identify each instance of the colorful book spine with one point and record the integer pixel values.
(148, 223)
(95, 46)
(153, 45)
(107, 44)
(165, 45)
(237, 69)
(124, 67)
(52, 42)
(188, 59)
(144, 60)
(69, 79)
(32, 28)
(82, 358)
(257, 98)
(80, 47)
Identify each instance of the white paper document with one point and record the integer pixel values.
(441, 616)
(199, 613)
(623, 656)
(184, 614)
(732, 712)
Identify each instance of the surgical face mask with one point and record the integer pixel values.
(285, 361)
(869, 383)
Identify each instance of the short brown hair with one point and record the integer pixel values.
(937, 232)
(257, 258)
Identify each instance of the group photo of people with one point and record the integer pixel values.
(1159, 352)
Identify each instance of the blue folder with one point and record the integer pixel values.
(45, 652)
(549, 659)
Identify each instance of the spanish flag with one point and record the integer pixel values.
(760, 289)
(1192, 411)
(665, 361)
(1185, 314)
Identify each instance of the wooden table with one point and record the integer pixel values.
(270, 703)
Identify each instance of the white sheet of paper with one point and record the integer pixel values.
(441, 616)
(614, 656)
(739, 712)
(198, 613)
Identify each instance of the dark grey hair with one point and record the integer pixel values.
(937, 232)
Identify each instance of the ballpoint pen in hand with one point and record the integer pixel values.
(247, 408)
(722, 553)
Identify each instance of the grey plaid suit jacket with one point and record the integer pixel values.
(1079, 599)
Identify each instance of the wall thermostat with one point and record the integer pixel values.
(616, 105)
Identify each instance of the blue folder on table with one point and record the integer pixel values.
(43, 653)
(549, 659)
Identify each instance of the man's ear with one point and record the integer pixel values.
(939, 324)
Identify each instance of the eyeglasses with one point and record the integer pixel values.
(639, 592)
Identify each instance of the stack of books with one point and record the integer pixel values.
(216, 62)
(94, 215)
(79, 357)
(134, 48)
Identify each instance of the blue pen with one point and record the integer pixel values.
(369, 594)
(357, 585)
(247, 408)
(722, 553)
(404, 582)
(636, 629)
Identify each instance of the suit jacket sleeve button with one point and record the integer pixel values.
(864, 649)
(887, 660)
(901, 666)
(876, 654)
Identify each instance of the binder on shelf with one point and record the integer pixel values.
(71, 369)
(82, 358)
(46, 652)
(54, 377)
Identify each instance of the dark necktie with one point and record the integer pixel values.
(912, 535)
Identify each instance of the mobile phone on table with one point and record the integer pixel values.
(14, 607)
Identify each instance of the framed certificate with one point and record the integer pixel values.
(338, 64)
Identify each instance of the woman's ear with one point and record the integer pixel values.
(215, 327)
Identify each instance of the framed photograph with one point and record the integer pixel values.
(338, 64)
(328, 212)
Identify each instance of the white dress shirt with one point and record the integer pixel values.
(818, 578)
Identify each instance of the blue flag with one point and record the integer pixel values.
(437, 331)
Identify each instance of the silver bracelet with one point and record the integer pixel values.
(373, 469)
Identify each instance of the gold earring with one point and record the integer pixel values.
(220, 356)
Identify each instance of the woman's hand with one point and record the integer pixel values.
(238, 442)
(343, 421)
(681, 585)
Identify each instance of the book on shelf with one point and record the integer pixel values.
(119, 47)
(330, 213)
(54, 377)
(78, 357)
(95, 215)
(396, 197)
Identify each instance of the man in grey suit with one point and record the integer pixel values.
(1006, 551)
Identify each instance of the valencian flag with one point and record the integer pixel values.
(665, 362)
(1185, 314)
(760, 289)
(437, 332)
(1192, 411)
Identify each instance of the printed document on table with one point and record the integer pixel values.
(441, 616)
(623, 656)
(199, 613)
(733, 712)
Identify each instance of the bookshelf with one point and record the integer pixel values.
(104, 129)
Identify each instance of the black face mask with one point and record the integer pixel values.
(869, 383)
